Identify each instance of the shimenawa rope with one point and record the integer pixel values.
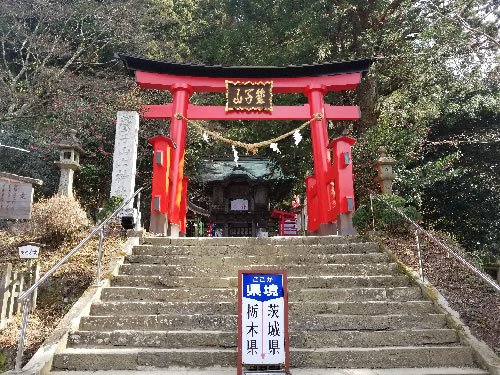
(251, 147)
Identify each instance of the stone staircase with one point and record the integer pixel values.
(174, 304)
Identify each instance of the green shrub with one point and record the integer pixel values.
(3, 362)
(385, 217)
(110, 206)
(57, 217)
(362, 218)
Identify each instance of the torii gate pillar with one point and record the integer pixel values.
(178, 130)
(322, 163)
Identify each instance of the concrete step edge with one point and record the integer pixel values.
(188, 289)
(301, 317)
(296, 371)
(181, 331)
(162, 303)
(115, 350)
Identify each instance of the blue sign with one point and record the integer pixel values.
(262, 328)
(262, 287)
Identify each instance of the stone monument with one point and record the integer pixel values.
(384, 166)
(16, 196)
(69, 162)
(124, 158)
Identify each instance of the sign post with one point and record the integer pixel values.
(31, 251)
(263, 321)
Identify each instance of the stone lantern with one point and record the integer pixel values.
(385, 173)
(69, 162)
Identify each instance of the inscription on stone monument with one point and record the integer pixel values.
(15, 199)
(125, 155)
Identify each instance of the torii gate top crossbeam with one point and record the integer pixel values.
(162, 75)
(135, 63)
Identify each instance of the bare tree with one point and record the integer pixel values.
(51, 45)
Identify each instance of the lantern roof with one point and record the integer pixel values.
(70, 141)
(161, 138)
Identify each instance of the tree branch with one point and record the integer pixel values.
(5, 61)
(28, 55)
(77, 53)
(379, 20)
(462, 22)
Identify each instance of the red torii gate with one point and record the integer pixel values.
(330, 190)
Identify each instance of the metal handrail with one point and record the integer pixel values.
(25, 295)
(437, 241)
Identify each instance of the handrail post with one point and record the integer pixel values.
(22, 334)
(420, 264)
(99, 259)
(373, 213)
(138, 222)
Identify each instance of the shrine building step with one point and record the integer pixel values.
(376, 281)
(296, 371)
(251, 241)
(292, 270)
(291, 249)
(228, 339)
(318, 322)
(379, 357)
(277, 260)
(230, 294)
(123, 308)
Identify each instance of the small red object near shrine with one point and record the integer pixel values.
(287, 222)
(161, 166)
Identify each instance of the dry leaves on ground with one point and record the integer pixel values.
(477, 303)
(60, 292)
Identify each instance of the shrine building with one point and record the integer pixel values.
(241, 194)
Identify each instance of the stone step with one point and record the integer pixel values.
(225, 339)
(381, 357)
(228, 271)
(296, 371)
(123, 308)
(277, 260)
(230, 294)
(325, 322)
(232, 282)
(209, 250)
(250, 241)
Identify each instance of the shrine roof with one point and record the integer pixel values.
(251, 167)
(135, 63)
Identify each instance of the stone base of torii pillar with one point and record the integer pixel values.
(159, 223)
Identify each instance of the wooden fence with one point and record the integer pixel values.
(12, 285)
